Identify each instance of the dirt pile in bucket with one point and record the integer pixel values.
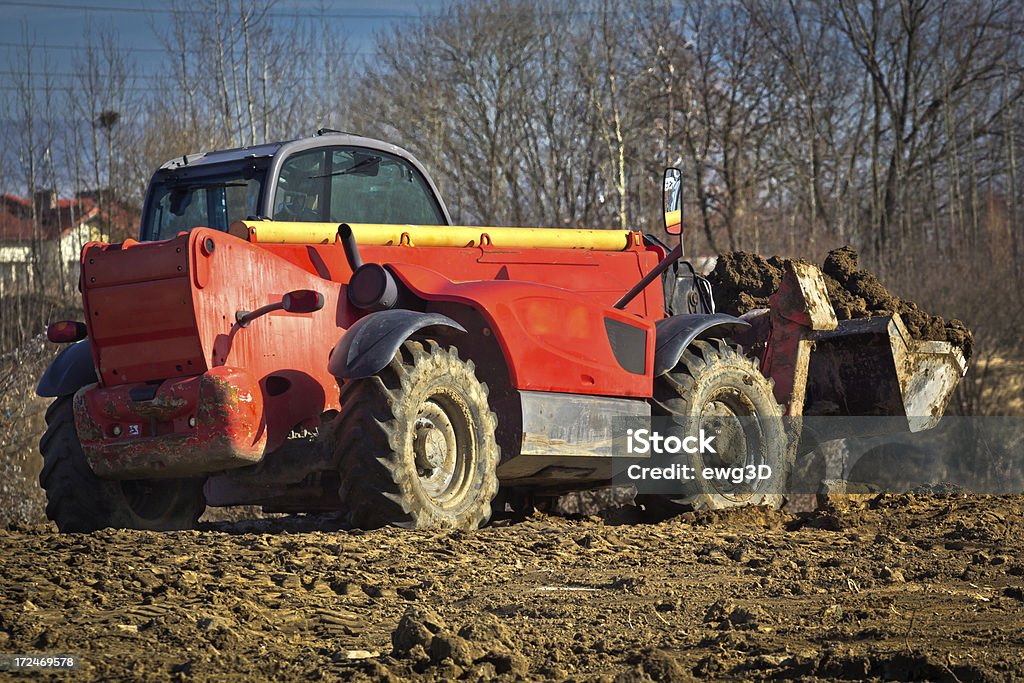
(743, 282)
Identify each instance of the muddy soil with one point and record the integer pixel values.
(743, 282)
(895, 587)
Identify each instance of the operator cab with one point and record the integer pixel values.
(331, 177)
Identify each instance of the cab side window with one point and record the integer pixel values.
(302, 187)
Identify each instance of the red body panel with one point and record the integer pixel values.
(140, 319)
(602, 275)
(161, 312)
(553, 339)
(183, 324)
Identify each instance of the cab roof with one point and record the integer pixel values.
(221, 156)
(270, 149)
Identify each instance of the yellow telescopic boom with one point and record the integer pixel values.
(284, 232)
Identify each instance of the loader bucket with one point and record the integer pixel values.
(872, 367)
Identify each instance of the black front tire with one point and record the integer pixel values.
(79, 501)
(415, 444)
(714, 380)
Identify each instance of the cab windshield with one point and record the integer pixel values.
(213, 201)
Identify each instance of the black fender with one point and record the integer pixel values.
(71, 370)
(674, 334)
(369, 345)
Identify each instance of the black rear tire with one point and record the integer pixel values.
(79, 501)
(714, 380)
(415, 444)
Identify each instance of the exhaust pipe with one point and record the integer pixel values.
(348, 241)
(372, 287)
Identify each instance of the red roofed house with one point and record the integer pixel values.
(49, 247)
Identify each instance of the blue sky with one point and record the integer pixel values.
(58, 25)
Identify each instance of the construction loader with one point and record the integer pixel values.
(300, 327)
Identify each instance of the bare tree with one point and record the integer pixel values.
(451, 88)
(930, 67)
(34, 85)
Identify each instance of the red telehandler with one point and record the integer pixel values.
(300, 327)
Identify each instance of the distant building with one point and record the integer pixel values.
(48, 247)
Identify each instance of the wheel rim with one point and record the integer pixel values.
(740, 441)
(150, 500)
(444, 448)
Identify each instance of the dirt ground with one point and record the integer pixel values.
(896, 587)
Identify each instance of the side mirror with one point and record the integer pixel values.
(297, 301)
(672, 201)
(302, 301)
